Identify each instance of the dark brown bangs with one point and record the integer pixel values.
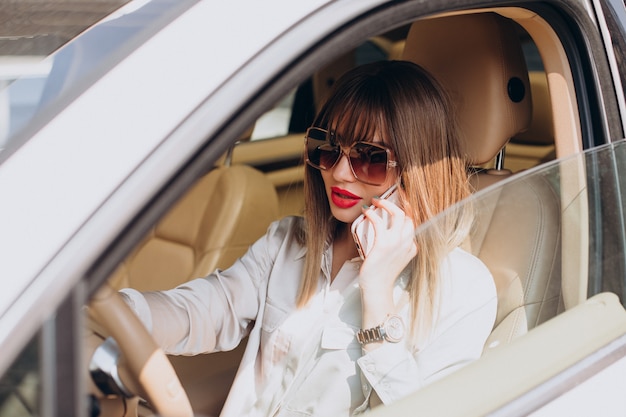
(357, 112)
(360, 124)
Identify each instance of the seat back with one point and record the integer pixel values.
(517, 234)
(535, 145)
(226, 211)
(479, 60)
(210, 227)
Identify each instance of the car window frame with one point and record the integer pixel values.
(614, 17)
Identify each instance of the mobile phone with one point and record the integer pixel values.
(362, 228)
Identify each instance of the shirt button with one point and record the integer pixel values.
(370, 368)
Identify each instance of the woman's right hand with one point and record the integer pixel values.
(393, 248)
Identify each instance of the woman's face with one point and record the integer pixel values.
(346, 195)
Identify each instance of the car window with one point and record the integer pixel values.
(276, 121)
(585, 192)
(294, 112)
(28, 37)
(20, 386)
(32, 35)
(36, 76)
(552, 235)
(614, 13)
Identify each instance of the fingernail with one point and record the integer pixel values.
(365, 206)
(376, 197)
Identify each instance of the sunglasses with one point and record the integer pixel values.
(369, 162)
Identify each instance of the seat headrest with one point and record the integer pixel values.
(478, 58)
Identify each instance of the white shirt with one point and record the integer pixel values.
(307, 361)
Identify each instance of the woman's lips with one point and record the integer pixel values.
(343, 198)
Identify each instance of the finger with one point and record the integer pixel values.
(373, 217)
(390, 207)
(396, 217)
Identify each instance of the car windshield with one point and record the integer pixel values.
(37, 80)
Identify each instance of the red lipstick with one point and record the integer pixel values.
(343, 198)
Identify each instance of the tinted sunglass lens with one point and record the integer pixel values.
(369, 163)
(320, 152)
(328, 155)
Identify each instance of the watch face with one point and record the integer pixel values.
(394, 329)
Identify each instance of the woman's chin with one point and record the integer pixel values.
(346, 216)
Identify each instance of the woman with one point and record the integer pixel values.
(329, 333)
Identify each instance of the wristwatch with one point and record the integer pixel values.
(391, 330)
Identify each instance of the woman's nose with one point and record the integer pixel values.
(342, 170)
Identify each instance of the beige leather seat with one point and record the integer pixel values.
(215, 223)
(226, 211)
(535, 145)
(479, 60)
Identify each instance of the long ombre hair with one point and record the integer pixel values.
(406, 107)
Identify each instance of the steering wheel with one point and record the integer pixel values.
(146, 371)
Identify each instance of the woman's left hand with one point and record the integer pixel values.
(393, 248)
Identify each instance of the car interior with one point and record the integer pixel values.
(512, 118)
(511, 81)
(506, 71)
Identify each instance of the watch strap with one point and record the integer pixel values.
(375, 334)
(392, 330)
